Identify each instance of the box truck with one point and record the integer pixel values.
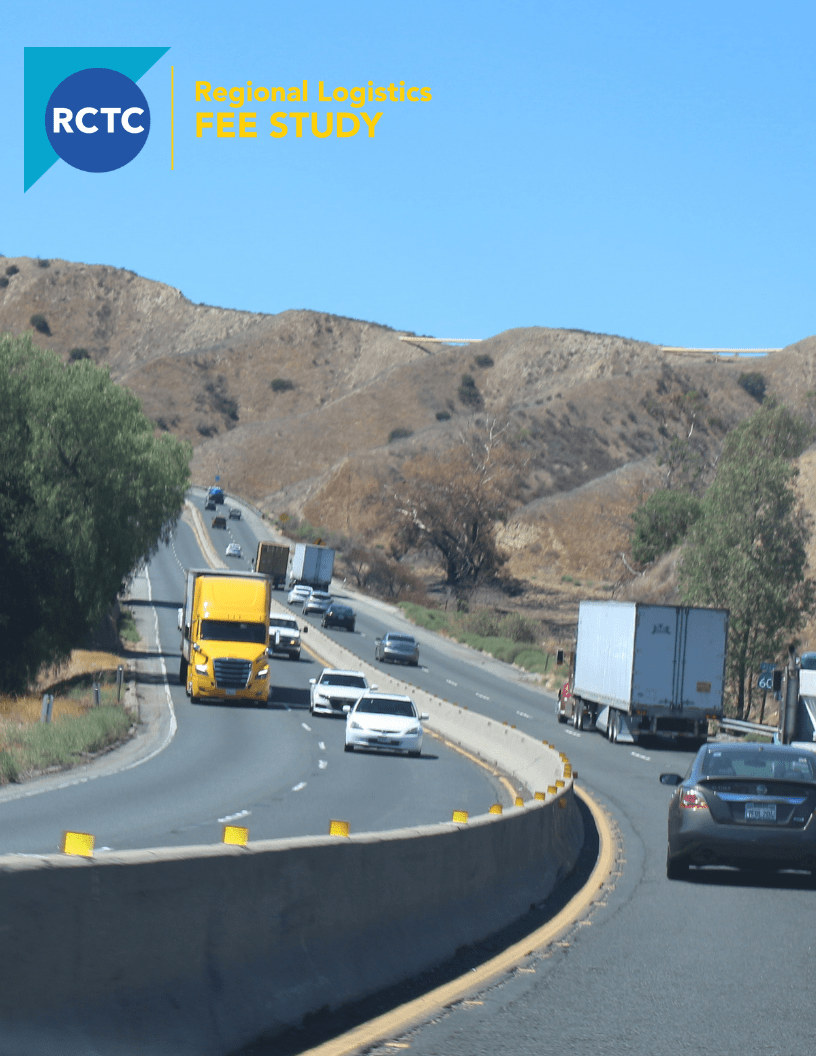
(224, 626)
(272, 559)
(312, 565)
(646, 669)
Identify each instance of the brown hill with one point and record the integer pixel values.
(295, 410)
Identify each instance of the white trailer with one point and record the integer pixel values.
(312, 565)
(648, 669)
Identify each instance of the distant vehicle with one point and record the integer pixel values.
(209, 504)
(235, 513)
(745, 805)
(272, 559)
(219, 522)
(312, 565)
(384, 721)
(215, 493)
(234, 550)
(335, 689)
(284, 635)
(317, 602)
(337, 615)
(397, 648)
(298, 594)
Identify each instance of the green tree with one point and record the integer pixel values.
(661, 522)
(86, 492)
(747, 550)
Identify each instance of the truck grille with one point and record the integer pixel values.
(232, 674)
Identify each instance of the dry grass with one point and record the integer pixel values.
(60, 681)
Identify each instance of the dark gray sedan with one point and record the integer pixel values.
(397, 648)
(750, 806)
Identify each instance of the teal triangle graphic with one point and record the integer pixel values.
(44, 69)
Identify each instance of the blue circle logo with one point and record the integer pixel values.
(97, 120)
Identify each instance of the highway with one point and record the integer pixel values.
(724, 962)
(275, 769)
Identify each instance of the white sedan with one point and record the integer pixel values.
(298, 594)
(384, 721)
(335, 689)
(234, 550)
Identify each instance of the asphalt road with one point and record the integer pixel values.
(275, 769)
(724, 962)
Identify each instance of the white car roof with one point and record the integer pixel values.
(341, 671)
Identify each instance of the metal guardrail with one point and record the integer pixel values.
(742, 726)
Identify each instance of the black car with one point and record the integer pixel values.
(339, 616)
(209, 504)
(750, 806)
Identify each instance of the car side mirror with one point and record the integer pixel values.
(373, 688)
(312, 681)
(424, 716)
(377, 641)
(346, 709)
(670, 779)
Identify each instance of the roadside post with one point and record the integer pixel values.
(120, 674)
(47, 706)
(789, 712)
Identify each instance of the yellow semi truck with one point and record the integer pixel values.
(225, 635)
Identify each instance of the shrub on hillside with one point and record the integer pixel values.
(40, 323)
(661, 522)
(42, 263)
(399, 433)
(754, 384)
(78, 353)
(281, 384)
(443, 416)
(468, 393)
(483, 360)
(3, 281)
(12, 269)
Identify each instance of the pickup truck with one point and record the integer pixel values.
(284, 635)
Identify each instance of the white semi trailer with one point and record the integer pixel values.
(646, 669)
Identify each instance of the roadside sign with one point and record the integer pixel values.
(763, 667)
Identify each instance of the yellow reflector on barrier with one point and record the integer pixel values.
(552, 789)
(338, 828)
(540, 795)
(519, 802)
(562, 803)
(559, 784)
(460, 816)
(81, 843)
(235, 834)
(495, 809)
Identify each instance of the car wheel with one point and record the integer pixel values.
(348, 747)
(415, 755)
(676, 868)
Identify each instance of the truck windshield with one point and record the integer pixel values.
(232, 631)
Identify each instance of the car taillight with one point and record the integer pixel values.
(692, 800)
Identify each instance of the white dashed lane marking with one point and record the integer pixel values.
(321, 746)
(481, 696)
(451, 682)
(638, 755)
(232, 817)
(524, 715)
(573, 733)
(297, 788)
(322, 764)
(305, 727)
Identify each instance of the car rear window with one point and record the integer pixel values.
(404, 639)
(759, 765)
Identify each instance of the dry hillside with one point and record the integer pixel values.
(592, 412)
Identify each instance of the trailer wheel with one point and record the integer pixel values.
(182, 672)
(558, 713)
(613, 727)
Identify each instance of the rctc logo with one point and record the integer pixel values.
(110, 113)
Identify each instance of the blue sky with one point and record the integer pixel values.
(638, 168)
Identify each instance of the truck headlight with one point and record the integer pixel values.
(263, 672)
(201, 669)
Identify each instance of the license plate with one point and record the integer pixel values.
(760, 812)
(230, 692)
(383, 740)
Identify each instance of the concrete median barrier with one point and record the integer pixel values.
(199, 950)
